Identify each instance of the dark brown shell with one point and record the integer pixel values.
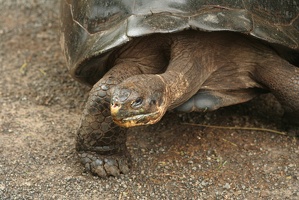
(91, 29)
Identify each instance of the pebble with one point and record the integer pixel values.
(226, 186)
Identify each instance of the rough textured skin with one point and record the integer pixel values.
(188, 63)
(100, 142)
(223, 69)
(283, 82)
(100, 45)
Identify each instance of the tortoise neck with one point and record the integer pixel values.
(190, 65)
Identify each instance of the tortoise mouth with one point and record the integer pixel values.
(130, 108)
(130, 118)
(137, 120)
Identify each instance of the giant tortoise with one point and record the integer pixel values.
(146, 57)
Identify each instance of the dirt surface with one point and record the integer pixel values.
(40, 106)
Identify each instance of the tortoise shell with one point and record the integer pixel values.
(92, 30)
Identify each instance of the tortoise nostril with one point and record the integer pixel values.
(114, 102)
(114, 105)
(154, 102)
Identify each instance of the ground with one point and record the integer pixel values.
(40, 106)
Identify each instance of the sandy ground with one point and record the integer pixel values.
(40, 106)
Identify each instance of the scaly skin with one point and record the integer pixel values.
(211, 70)
(101, 144)
(282, 79)
(160, 72)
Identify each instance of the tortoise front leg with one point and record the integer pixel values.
(101, 144)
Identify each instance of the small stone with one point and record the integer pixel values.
(226, 186)
(2, 187)
(203, 183)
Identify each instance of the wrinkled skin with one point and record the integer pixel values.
(188, 71)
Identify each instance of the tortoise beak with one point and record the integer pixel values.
(125, 113)
(118, 113)
(123, 117)
(117, 103)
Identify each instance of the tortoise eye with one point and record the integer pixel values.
(137, 102)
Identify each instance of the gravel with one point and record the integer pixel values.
(40, 106)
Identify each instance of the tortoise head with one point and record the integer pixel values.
(139, 100)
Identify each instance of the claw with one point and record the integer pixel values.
(112, 170)
(124, 166)
(105, 166)
(99, 170)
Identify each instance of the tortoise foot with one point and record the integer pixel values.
(105, 165)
